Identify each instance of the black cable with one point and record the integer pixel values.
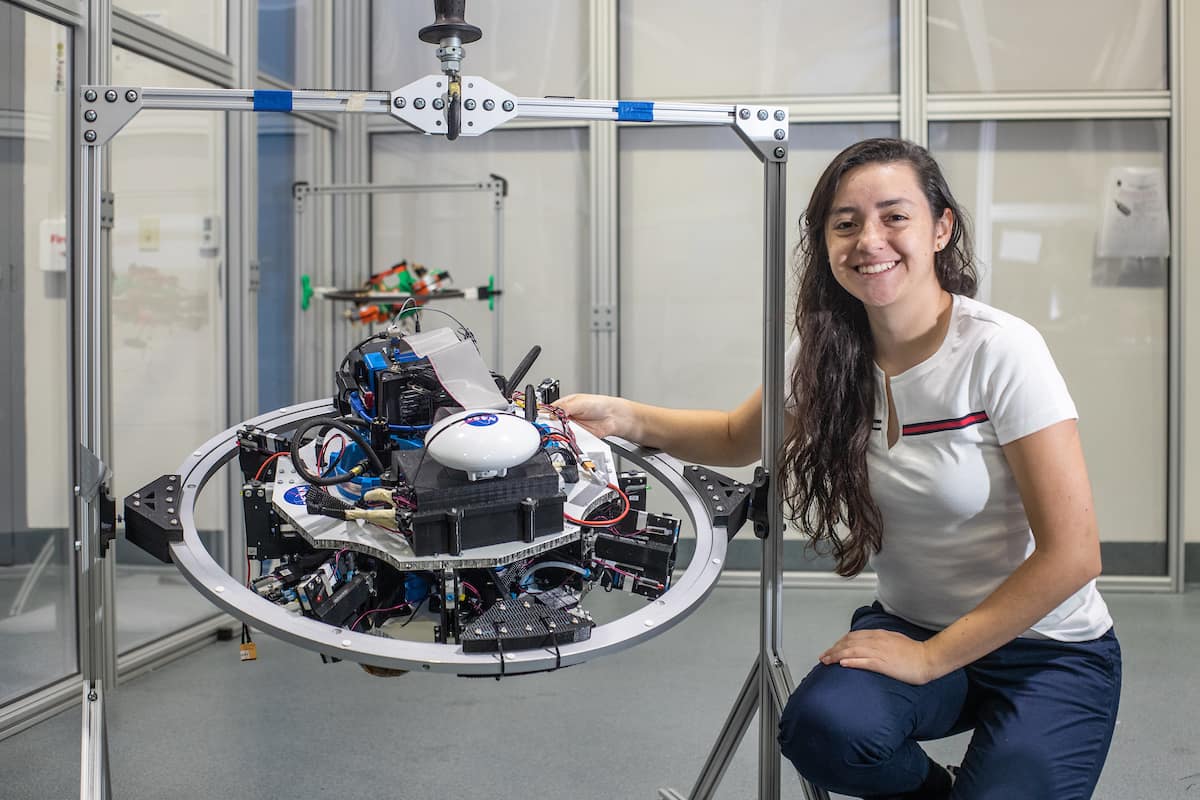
(330, 422)
(414, 613)
(467, 333)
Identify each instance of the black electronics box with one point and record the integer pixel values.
(266, 538)
(455, 514)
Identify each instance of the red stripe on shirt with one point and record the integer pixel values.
(974, 418)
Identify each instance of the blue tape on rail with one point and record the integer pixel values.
(635, 112)
(272, 100)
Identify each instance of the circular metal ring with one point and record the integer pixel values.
(227, 592)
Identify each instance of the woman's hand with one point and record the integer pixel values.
(886, 652)
(602, 415)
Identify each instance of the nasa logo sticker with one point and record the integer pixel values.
(295, 495)
(483, 420)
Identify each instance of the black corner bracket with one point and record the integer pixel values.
(152, 518)
(727, 500)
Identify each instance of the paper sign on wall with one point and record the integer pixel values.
(1134, 221)
(52, 245)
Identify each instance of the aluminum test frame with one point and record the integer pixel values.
(496, 185)
(103, 110)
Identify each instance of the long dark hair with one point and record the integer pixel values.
(824, 458)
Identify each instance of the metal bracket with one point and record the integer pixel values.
(765, 129)
(727, 500)
(423, 103)
(108, 519)
(104, 110)
(152, 518)
(108, 210)
(604, 318)
(759, 513)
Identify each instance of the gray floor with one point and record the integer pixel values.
(622, 726)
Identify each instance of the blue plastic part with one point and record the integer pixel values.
(404, 356)
(272, 100)
(416, 587)
(375, 361)
(635, 111)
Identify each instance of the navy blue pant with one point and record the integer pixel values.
(1043, 714)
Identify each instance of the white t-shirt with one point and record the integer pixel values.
(954, 527)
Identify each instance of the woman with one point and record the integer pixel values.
(933, 437)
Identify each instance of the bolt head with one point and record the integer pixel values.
(439, 103)
(488, 105)
(90, 95)
(469, 105)
(780, 133)
(93, 696)
(89, 115)
(111, 95)
(779, 115)
(398, 102)
(509, 105)
(419, 103)
(762, 115)
(131, 96)
(780, 152)
(744, 113)
(89, 136)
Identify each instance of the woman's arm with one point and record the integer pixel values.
(1052, 478)
(717, 438)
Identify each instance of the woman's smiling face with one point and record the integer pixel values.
(881, 236)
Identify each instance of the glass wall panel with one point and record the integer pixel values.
(168, 328)
(203, 23)
(758, 48)
(285, 156)
(37, 586)
(1072, 235)
(285, 39)
(545, 233)
(1047, 45)
(531, 48)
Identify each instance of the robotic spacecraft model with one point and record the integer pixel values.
(433, 485)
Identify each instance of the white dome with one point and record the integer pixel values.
(483, 443)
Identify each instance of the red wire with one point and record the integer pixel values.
(270, 458)
(604, 523)
(321, 453)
